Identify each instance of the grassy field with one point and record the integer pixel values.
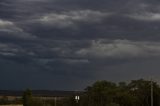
(12, 105)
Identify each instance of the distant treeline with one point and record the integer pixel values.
(135, 93)
(105, 93)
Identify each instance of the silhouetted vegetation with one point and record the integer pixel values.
(27, 98)
(101, 93)
(105, 93)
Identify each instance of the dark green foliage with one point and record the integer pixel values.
(27, 98)
(135, 93)
(105, 93)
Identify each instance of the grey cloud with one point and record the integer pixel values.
(77, 61)
(8, 49)
(67, 19)
(146, 16)
(9, 26)
(47, 19)
(69, 41)
(77, 52)
(44, 61)
(12, 30)
(121, 49)
(129, 70)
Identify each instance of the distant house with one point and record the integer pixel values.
(43, 94)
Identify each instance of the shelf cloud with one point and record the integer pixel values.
(76, 42)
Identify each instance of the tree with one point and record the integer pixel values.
(142, 90)
(101, 93)
(27, 98)
(135, 93)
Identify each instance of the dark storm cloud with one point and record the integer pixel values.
(130, 22)
(70, 41)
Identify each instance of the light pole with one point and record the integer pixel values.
(77, 98)
(151, 92)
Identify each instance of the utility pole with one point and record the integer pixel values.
(44, 103)
(55, 101)
(151, 92)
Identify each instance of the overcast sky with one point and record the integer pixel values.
(69, 44)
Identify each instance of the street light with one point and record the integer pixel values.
(151, 92)
(77, 98)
